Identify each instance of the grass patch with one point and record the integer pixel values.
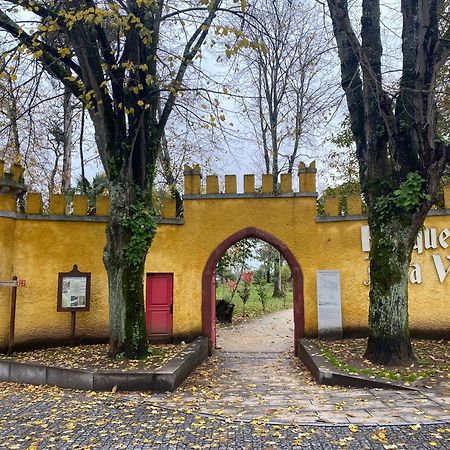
(254, 308)
(347, 355)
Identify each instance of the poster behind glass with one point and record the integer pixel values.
(74, 290)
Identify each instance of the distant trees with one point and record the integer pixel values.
(41, 130)
(289, 92)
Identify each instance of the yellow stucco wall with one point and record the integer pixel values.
(37, 247)
(42, 249)
(6, 272)
(429, 301)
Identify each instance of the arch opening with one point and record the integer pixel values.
(208, 285)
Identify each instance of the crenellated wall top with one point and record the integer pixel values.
(11, 182)
(194, 187)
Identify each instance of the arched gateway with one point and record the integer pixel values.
(208, 285)
(181, 262)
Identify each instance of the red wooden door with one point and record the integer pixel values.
(159, 307)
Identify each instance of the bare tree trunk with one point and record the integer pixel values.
(166, 165)
(51, 184)
(268, 277)
(67, 144)
(277, 287)
(13, 116)
(83, 174)
(262, 120)
(237, 282)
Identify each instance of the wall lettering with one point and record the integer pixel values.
(427, 239)
(415, 276)
(440, 269)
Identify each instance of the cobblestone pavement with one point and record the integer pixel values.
(49, 418)
(277, 387)
(235, 400)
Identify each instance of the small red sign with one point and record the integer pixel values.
(22, 283)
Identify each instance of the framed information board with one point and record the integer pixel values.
(74, 290)
(329, 303)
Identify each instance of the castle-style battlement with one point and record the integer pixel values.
(194, 188)
(11, 186)
(59, 205)
(354, 206)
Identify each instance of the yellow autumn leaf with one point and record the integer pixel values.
(64, 51)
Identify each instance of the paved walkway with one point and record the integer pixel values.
(256, 376)
(271, 333)
(41, 418)
(234, 401)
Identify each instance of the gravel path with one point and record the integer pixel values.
(271, 333)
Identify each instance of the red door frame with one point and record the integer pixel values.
(208, 306)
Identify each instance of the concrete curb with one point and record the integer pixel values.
(324, 373)
(166, 378)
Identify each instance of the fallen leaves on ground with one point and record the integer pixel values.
(95, 357)
(430, 370)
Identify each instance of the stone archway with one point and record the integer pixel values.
(208, 329)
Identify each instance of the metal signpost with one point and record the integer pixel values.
(14, 284)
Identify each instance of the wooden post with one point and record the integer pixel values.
(12, 320)
(73, 322)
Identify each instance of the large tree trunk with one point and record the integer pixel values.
(401, 157)
(390, 256)
(129, 233)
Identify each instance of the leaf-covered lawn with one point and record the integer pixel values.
(431, 369)
(96, 357)
(253, 308)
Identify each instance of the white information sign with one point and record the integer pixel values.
(329, 303)
(9, 283)
(74, 292)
